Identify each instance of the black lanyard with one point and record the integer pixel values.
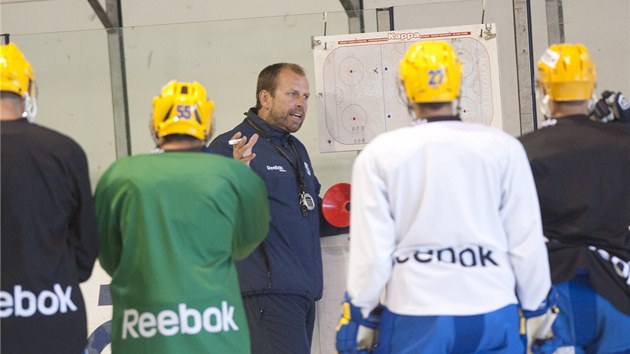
(296, 166)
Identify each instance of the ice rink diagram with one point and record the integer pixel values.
(358, 96)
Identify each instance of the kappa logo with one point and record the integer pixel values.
(403, 36)
(24, 303)
(185, 321)
(276, 168)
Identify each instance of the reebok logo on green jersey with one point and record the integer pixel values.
(185, 321)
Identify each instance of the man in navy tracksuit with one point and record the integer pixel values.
(283, 278)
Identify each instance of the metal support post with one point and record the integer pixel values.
(524, 65)
(555, 22)
(111, 18)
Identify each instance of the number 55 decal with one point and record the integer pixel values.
(183, 111)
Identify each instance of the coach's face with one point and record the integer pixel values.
(286, 107)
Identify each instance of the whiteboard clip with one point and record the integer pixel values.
(487, 32)
(315, 42)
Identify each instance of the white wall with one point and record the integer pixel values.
(39, 16)
(223, 48)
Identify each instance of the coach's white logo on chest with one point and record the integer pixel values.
(276, 168)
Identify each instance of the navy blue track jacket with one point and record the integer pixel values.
(289, 261)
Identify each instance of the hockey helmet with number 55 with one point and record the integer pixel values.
(431, 72)
(182, 108)
(567, 73)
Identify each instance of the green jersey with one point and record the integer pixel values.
(171, 226)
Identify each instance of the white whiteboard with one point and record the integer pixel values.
(356, 81)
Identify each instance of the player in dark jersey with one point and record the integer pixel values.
(49, 239)
(581, 167)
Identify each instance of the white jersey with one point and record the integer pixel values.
(445, 218)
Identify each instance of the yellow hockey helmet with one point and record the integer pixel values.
(17, 76)
(182, 108)
(567, 73)
(431, 72)
(16, 73)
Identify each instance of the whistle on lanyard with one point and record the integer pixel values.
(306, 203)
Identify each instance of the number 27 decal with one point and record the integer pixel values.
(436, 76)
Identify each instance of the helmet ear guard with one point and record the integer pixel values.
(30, 108)
(182, 108)
(17, 76)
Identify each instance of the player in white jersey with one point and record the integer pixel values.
(445, 228)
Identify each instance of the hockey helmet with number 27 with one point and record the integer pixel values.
(182, 108)
(431, 72)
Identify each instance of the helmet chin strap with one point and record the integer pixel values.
(457, 107)
(411, 111)
(30, 108)
(546, 111)
(544, 107)
(153, 134)
(403, 97)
